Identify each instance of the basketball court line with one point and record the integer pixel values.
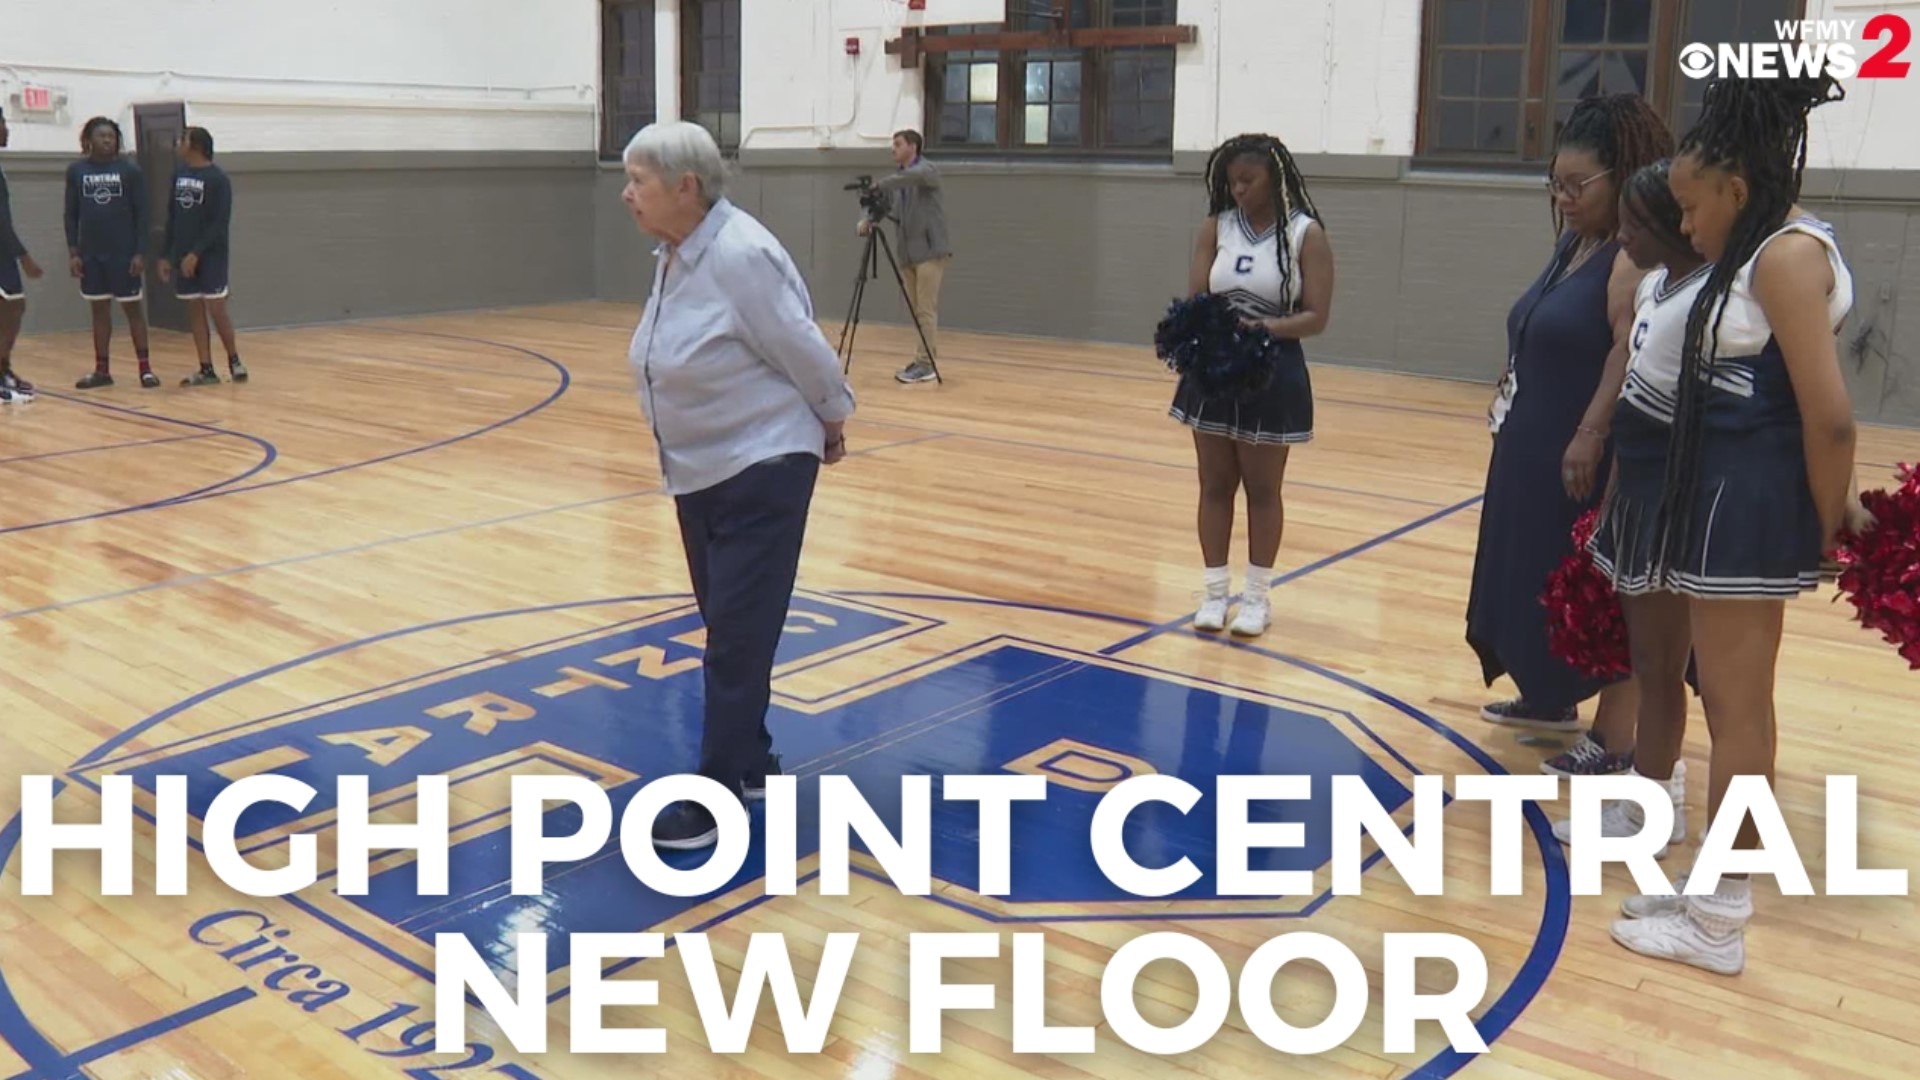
(24, 458)
(370, 545)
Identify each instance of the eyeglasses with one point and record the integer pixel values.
(1575, 189)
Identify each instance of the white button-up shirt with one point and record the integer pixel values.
(731, 368)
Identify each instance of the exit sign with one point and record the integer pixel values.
(36, 99)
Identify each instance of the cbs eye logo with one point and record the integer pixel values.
(1696, 61)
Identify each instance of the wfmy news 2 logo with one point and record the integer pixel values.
(1807, 48)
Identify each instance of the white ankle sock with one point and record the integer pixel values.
(1727, 911)
(1259, 580)
(1219, 580)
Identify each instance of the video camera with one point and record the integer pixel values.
(872, 199)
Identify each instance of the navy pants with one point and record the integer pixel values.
(742, 539)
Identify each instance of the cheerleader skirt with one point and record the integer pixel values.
(1280, 415)
(1756, 533)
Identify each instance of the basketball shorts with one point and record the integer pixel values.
(209, 280)
(11, 287)
(109, 277)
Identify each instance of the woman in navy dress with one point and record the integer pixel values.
(1567, 349)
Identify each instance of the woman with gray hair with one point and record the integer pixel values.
(746, 400)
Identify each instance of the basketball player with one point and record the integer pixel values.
(198, 215)
(14, 261)
(1754, 483)
(106, 240)
(1264, 249)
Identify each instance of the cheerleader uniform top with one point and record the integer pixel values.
(1749, 387)
(1257, 280)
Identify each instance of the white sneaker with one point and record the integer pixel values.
(1256, 614)
(1619, 818)
(1644, 906)
(1212, 615)
(1678, 938)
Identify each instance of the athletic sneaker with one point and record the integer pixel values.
(1256, 614)
(1646, 906)
(11, 381)
(10, 396)
(685, 827)
(1587, 758)
(1707, 932)
(1622, 818)
(206, 376)
(917, 372)
(149, 380)
(1517, 713)
(237, 370)
(93, 380)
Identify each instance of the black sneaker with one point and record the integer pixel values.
(150, 380)
(755, 787)
(11, 381)
(1517, 713)
(93, 380)
(686, 827)
(1588, 758)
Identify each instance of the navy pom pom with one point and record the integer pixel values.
(1202, 338)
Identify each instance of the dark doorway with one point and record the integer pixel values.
(156, 137)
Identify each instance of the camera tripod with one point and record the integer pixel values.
(870, 270)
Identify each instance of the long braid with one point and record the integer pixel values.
(1289, 192)
(1757, 128)
(1621, 130)
(1649, 193)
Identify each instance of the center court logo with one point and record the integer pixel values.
(1806, 48)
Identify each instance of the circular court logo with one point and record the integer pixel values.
(869, 687)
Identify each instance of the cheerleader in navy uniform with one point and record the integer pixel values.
(1658, 637)
(1730, 506)
(1264, 249)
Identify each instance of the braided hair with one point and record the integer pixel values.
(86, 133)
(1649, 194)
(1621, 130)
(1288, 185)
(1758, 129)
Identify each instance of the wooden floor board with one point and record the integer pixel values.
(397, 508)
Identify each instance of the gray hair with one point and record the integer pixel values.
(675, 148)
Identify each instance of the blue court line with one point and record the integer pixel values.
(268, 454)
(225, 487)
(1295, 575)
(1186, 467)
(71, 1064)
(102, 449)
(370, 545)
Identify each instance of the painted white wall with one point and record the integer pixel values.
(1874, 127)
(802, 89)
(1327, 77)
(316, 75)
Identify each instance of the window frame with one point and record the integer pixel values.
(692, 40)
(1538, 103)
(613, 44)
(1010, 103)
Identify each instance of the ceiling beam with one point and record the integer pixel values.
(913, 44)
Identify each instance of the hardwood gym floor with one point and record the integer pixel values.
(403, 523)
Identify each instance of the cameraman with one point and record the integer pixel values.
(924, 251)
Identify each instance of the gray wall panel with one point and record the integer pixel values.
(1428, 265)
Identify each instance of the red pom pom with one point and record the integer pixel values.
(1880, 573)
(1585, 626)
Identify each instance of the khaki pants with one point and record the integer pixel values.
(923, 289)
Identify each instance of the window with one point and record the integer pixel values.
(710, 67)
(1056, 77)
(627, 93)
(1501, 76)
